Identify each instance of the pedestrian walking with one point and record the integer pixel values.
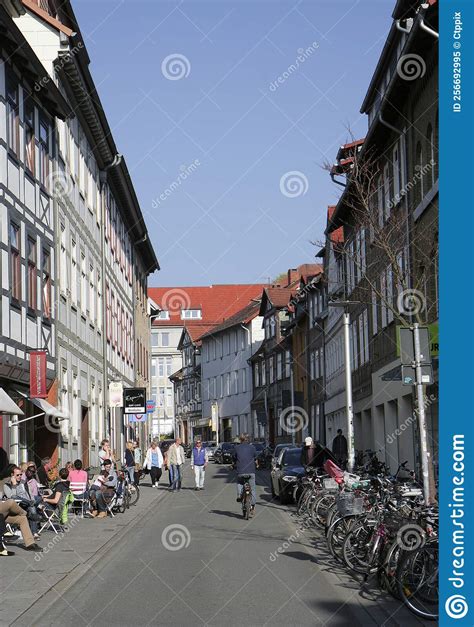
(199, 461)
(176, 463)
(154, 463)
(130, 461)
(137, 454)
(339, 448)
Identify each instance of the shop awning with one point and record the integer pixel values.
(7, 406)
(46, 407)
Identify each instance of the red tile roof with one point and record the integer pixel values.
(216, 302)
(279, 296)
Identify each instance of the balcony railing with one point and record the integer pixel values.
(47, 5)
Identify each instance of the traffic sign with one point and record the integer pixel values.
(150, 407)
(409, 375)
(406, 344)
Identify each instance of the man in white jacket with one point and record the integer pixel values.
(154, 462)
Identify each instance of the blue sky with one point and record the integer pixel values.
(194, 83)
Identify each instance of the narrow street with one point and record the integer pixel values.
(192, 559)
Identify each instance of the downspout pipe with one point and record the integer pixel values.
(333, 179)
(429, 30)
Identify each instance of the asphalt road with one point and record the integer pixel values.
(193, 560)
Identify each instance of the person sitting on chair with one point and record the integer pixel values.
(18, 490)
(60, 488)
(14, 515)
(103, 489)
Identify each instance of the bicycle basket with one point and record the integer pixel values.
(330, 484)
(350, 479)
(350, 505)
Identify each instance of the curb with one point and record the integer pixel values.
(36, 610)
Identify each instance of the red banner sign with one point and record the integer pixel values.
(38, 374)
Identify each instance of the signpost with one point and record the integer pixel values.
(414, 342)
(215, 420)
(38, 388)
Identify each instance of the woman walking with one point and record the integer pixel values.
(130, 461)
(154, 462)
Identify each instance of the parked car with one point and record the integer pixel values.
(277, 451)
(210, 448)
(224, 453)
(265, 456)
(285, 473)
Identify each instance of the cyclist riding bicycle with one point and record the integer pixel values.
(245, 455)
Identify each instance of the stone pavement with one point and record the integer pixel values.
(27, 577)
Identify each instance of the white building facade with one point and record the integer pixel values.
(227, 375)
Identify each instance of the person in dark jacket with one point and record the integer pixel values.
(130, 460)
(339, 448)
(43, 470)
(245, 455)
(314, 454)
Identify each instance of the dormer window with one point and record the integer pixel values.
(163, 315)
(188, 314)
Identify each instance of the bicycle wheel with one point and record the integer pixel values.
(389, 572)
(134, 494)
(303, 501)
(320, 507)
(337, 533)
(417, 578)
(356, 547)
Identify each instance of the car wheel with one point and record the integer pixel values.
(284, 498)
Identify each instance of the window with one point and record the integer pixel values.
(99, 306)
(30, 135)
(271, 366)
(386, 190)
(43, 155)
(264, 373)
(13, 117)
(244, 380)
(15, 261)
(154, 339)
(235, 382)
(383, 305)
(84, 306)
(431, 152)
(221, 387)
(365, 322)
(374, 312)
(108, 314)
(380, 205)
(169, 396)
(396, 174)
(92, 293)
(46, 285)
(363, 258)
(190, 313)
(256, 372)
(168, 366)
(63, 269)
(163, 315)
(311, 365)
(389, 287)
(279, 369)
(419, 172)
(287, 364)
(227, 383)
(165, 339)
(161, 396)
(74, 272)
(31, 283)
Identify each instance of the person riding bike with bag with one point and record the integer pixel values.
(245, 455)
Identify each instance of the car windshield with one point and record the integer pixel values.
(227, 446)
(209, 444)
(292, 457)
(279, 448)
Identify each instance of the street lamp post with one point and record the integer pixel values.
(348, 376)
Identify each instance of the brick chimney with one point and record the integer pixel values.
(293, 275)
